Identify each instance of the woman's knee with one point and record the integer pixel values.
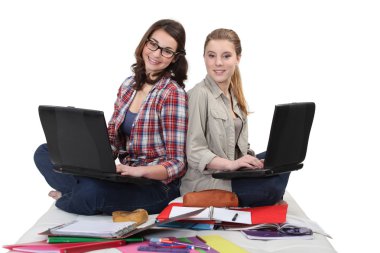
(41, 154)
(278, 187)
(88, 187)
(42, 159)
(261, 191)
(87, 197)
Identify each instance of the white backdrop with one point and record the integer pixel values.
(78, 53)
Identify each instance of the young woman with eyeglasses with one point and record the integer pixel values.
(218, 133)
(147, 133)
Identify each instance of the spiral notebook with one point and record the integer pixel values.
(94, 228)
(91, 226)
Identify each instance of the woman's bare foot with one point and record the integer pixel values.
(281, 202)
(55, 194)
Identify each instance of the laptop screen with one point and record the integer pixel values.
(77, 138)
(289, 134)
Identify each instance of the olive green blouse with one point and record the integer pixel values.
(211, 133)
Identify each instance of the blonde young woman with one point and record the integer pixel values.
(217, 137)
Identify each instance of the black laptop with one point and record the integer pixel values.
(78, 143)
(287, 145)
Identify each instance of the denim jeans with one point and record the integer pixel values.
(260, 191)
(89, 196)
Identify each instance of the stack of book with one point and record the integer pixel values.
(83, 235)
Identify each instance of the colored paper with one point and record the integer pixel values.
(189, 225)
(222, 245)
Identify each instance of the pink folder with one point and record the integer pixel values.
(64, 247)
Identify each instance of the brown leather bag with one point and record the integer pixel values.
(214, 197)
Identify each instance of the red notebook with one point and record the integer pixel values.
(264, 214)
(43, 246)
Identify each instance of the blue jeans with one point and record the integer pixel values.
(89, 196)
(260, 191)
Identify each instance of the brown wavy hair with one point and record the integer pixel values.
(236, 82)
(177, 70)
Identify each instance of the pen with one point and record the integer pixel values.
(168, 245)
(159, 239)
(235, 217)
(188, 244)
(157, 249)
(200, 239)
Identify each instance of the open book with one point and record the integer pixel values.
(278, 232)
(233, 216)
(291, 221)
(214, 213)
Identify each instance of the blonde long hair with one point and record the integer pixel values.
(236, 83)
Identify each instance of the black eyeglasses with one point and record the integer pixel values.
(165, 52)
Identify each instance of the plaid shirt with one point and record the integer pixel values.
(158, 134)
